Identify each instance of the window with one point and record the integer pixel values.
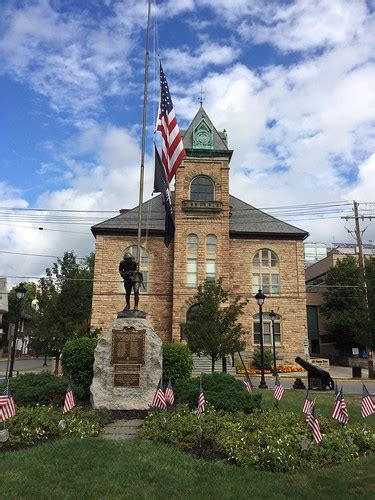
(202, 189)
(267, 330)
(266, 272)
(144, 266)
(211, 244)
(192, 260)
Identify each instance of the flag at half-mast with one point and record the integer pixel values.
(161, 185)
(173, 150)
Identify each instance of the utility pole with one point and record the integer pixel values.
(362, 272)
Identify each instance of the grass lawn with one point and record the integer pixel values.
(293, 401)
(98, 469)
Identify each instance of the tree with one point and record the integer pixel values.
(214, 329)
(344, 308)
(64, 297)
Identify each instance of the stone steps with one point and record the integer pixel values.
(202, 364)
(120, 430)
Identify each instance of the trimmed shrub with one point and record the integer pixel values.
(42, 388)
(77, 360)
(267, 358)
(177, 361)
(39, 423)
(221, 390)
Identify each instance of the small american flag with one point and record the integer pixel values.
(173, 150)
(249, 386)
(7, 405)
(201, 401)
(169, 394)
(69, 402)
(367, 406)
(313, 423)
(278, 391)
(159, 398)
(308, 404)
(340, 411)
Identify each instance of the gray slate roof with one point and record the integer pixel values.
(246, 221)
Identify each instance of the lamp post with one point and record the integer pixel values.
(273, 315)
(20, 294)
(260, 297)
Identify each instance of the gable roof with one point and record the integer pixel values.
(246, 221)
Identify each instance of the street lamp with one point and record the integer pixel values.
(260, 297)
(273, 315)
(20, 294)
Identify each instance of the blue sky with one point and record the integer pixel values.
(292, 82)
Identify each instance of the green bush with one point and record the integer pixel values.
(177, 361)
(78, 360)
(271, 440)
(221, 390)
(42, 388)
(267, 358)
(38, 423)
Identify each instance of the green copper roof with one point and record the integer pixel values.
(202, 135)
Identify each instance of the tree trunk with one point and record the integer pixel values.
(212, 364)
(224, 363)
(56, 372)
(45, 357)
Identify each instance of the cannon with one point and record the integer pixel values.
(317, 378)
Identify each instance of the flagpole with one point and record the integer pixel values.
(142, 170)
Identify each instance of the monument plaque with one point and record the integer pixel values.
(128, 347)
(126, 380)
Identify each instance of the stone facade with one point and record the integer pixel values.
(168, 296)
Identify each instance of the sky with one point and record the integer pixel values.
(291, 81)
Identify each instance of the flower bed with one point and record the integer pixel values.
(268, 440)
(280, 369)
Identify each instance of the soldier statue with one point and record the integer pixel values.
(132, 279)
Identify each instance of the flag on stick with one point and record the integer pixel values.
(340, 411)
(69, 402)
(249, 386)
(169, 394)
(201, 400)
(159, 398)
(173, 150)
(161, 185)
(7, 405)
(308, 404)
(368, 405)
(313, 423)
(278, 391)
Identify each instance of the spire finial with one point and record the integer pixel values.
(201, 98)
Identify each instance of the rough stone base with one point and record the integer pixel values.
(103, 392)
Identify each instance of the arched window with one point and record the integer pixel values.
(190, 316)
(211, 247)
(202, 189)
(192, 260)
(266, 272)
(267, 329)
(144, 265)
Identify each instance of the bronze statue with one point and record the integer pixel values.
(132, 279)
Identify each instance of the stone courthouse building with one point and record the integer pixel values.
(217, 235)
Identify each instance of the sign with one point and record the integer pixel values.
(126, 379)
(128, 347)
(323, 363)
(306, 346)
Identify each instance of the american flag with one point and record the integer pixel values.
(313, 423)
(367, 406)
(201, 401)
(173, 150)
(278, 390)
(159, 398)
(308, 404)
(69, 402)
(7, 405)
(340, 411)
(169, 395)
(249, 386)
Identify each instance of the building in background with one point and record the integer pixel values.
(314, 252)
(216, 236)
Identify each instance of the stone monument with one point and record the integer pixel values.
(128, 366)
